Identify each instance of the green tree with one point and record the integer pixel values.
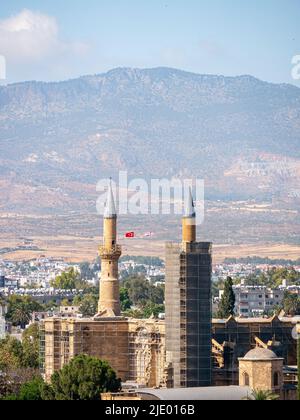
(138, 290)
(227, 304)
(274, 277)
(69, 280)
(65, 302)
(125, 299)
(31, 347)
(156, 294)
(11, 353)
(20, 310)
(84, 378)
(77, 300)
(135, 313)
(152, 309)
(141, 292)
(32, 391)
(22, 315)
(88, 305)
(11, 380)
(291, 304)
(15, 354)
(49, 306)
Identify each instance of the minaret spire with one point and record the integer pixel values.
(190, 206)
(110, 207)
(110, 252)
(189, 220)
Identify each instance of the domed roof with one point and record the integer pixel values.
(260, 354)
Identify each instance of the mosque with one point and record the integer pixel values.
(186, 350)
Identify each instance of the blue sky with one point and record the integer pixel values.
(54, 40)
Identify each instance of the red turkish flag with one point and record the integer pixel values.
(130, 235)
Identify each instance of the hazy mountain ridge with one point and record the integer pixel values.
(60, 138)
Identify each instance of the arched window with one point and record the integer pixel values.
(246, 379)
(276, 379)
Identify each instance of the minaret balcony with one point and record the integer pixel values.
(113, 252)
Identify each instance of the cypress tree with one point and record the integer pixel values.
(227, 304)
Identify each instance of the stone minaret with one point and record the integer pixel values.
(110, 252)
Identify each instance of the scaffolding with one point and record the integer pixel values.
(188, 313)
(140, 351)
(245, 334)
(134, 348)
(63, 339)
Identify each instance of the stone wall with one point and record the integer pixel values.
(135, 349)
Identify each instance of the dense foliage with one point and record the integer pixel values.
(141, 298)
(69, 280)
(291, 304)
(20, 310)
(274, 277)
(15, 354)
(87, 303)
(12, 380)
(83, 379)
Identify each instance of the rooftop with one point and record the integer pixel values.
(260, 354)
(227, 393)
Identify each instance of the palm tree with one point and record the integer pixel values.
(21, 315)
(260, 395)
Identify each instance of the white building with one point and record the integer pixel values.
(2, 322)
(256, 300)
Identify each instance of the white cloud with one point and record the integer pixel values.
(30, 38)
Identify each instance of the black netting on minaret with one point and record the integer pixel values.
(189, 313)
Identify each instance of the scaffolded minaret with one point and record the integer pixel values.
(110, 252)
(188, 305)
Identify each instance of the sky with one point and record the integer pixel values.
(57, 40)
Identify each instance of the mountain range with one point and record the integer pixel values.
(240, 134)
